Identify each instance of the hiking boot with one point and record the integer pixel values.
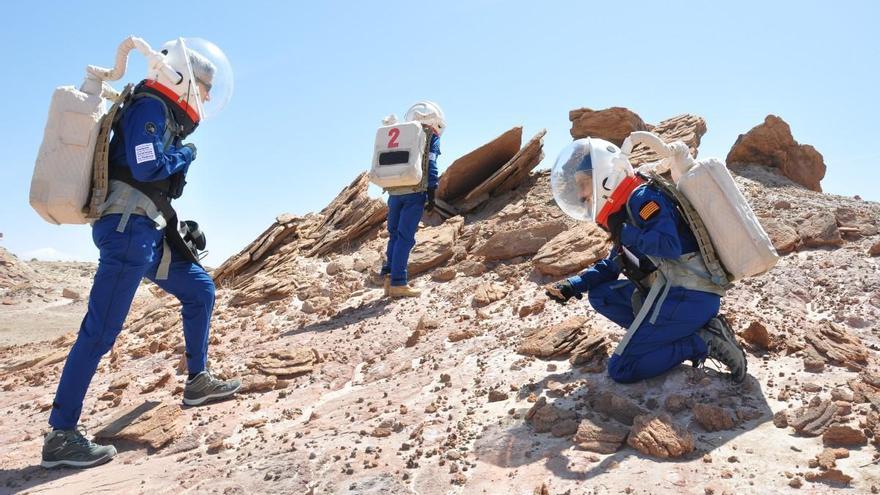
(204, 388)
(403, 291)
(71, 448)
(387, 285)
(723, 347)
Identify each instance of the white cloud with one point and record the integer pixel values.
(51, 254)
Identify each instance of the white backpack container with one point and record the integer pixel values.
(742, 245)
(398, 155)
(62, 179)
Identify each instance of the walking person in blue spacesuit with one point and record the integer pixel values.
(667, 302)
(406, 205)
(137, 237)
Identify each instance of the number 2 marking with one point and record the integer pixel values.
(393, 133)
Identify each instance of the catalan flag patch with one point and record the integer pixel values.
(649, 210)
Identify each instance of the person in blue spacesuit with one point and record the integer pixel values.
(137, 237)
(667, 302)
(406, 205)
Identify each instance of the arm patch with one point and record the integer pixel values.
(649, 210)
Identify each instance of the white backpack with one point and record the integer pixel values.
(62, 179)
(398, 155)
(732, 242)
(743, 247)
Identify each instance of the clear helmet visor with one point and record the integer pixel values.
(212, 76)
(571, 180)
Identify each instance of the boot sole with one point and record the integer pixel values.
(76, 464)
(728, 334)
(209, 397)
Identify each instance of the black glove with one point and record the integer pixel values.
(562, 291)
(192, 147)
(429, 206)
(615, 225)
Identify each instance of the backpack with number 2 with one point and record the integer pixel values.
(398, 155)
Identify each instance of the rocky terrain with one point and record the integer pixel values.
(482, 386)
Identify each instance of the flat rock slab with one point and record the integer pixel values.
(152, 423)
(572, 250)
(472, 169)
(555, 340)
(520, 242)
(812, 420)
(833, 344)
(287, 363)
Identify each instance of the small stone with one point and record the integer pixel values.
(496, 395)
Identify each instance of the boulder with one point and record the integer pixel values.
(843, 436)
(611, 124)
(659, 436)
(820, 230)
(714, 418)
(601, 438)
(617, 407)
(572, 250)
(434, 246)
(771, 144)
(784, 237)
(686, 128)
(832, 344)
(520, 242)
(757, 336)
(544, 417)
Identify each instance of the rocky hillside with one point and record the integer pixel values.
(481, 385)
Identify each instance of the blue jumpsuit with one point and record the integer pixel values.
(672, 339)
(404, 213)
(129, 256)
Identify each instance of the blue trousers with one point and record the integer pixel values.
(126, 258)
(404, 213)
(655, 348)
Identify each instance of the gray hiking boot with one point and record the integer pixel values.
(204, 387)
(722, 344)
(72, 448)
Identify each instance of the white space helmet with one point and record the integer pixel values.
(428, 113)
(205, 80)
(585, 174)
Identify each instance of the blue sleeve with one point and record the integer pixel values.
(144, 128)
(656, 232)
(603, 271)
(433, 174)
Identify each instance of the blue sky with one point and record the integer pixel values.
(313, 80)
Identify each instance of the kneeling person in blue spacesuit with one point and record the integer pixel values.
(667, 302)
(137, 237)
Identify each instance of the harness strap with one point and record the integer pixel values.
(656, 288)
(165, 262)
(128, 201)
